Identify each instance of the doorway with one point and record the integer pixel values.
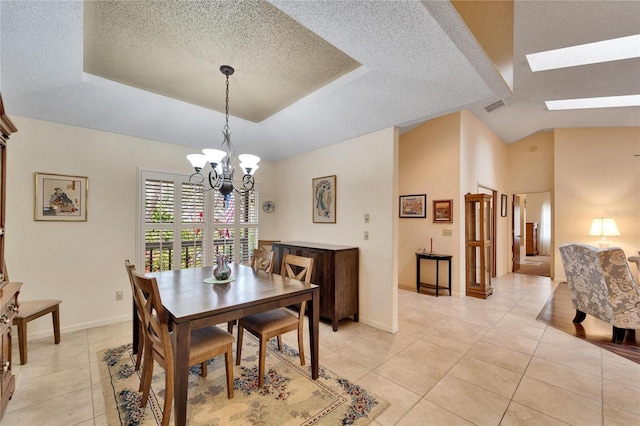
(532, 248)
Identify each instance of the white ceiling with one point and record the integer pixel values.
(418, 61)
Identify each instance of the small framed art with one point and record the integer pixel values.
(324, 199)
(503, 205)
(442, 211)
(61, 197)
(413, 206)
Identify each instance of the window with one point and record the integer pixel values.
(183, 227)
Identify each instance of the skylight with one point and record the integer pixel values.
(602, 102)
(584, 54)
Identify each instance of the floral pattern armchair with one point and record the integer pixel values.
(601, 285)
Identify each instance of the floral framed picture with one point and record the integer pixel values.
(61, 197)
(442, 211)
(324, 199)
(413, 206)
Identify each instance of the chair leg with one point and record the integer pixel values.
(147, 374)
(580, 316)
(228, 360)
(618, 335)
(239, 344)
(168, 395)
(279, 338)
(139, 351)
(261, 362)
(56, 324)
(301, 346)
(22, 340)
(203, 367)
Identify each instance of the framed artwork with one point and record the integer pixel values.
(61, 197)
(324, 199)
(503, 205)
(413, 206)
(443, 211)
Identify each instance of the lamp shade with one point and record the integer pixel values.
(604, 227)
(197, 160)
(214, 156)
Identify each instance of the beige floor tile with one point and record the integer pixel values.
(518, 415)
(397, 342)
(416, 377)
(510, 340)
(487, 376)
(499, 356)
(42, 388)
(588, 362)
(401, 399)
(621, 396)
(614, 416)
(367, 353)
(343, 366)
(451, 341)
(571, 379)
(69, 409)
(427, 413)
(558, 403)
(436, 356)
(471, 402)
(619, 369)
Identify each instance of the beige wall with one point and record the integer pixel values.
(82, 263)
(596, 175)
(78, 262)
(429, 164)
(366, 183)
(446, 158)
(530, 164)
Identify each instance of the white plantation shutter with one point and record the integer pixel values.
(183, 227)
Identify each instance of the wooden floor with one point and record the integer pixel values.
(559, 313)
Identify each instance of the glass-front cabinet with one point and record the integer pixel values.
(478, 245)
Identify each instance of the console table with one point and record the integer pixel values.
(437, 258)
(335, 271)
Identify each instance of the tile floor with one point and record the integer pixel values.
(454, 361)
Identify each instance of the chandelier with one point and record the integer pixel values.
(220, 176)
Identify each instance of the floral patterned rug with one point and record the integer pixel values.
(289, 395)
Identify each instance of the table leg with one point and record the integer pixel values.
(449, 276)
(181, 345)
(418, 274)
(437, 276)
(314, 324)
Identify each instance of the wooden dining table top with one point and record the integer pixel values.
(186, 296)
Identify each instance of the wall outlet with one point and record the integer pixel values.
(366, 218)
(366, 235)
(447, 232)
(119, 295)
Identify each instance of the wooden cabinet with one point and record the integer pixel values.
(8, 291)
(532, 239)
(478, 245)
(8, 308)
(335, 271)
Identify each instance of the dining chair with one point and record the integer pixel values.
(206, 343)
(274, 323)
(262, 260)
(30, 310)
(138, 312)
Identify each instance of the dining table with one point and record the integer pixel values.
(191, 303)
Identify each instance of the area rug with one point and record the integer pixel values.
(558, 313)
(289, 395)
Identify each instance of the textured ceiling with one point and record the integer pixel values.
(417, 61)
(176, 49)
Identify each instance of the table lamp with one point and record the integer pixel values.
(604, 227)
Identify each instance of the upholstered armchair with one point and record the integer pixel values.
(601, 285)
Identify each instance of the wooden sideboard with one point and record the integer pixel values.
(335, 270)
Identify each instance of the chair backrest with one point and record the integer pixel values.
(155, 327)
(266, 244)
(262, 260)
(130, 269)
(297, 267)
(601, 284)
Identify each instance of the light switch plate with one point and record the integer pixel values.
(447, 232)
